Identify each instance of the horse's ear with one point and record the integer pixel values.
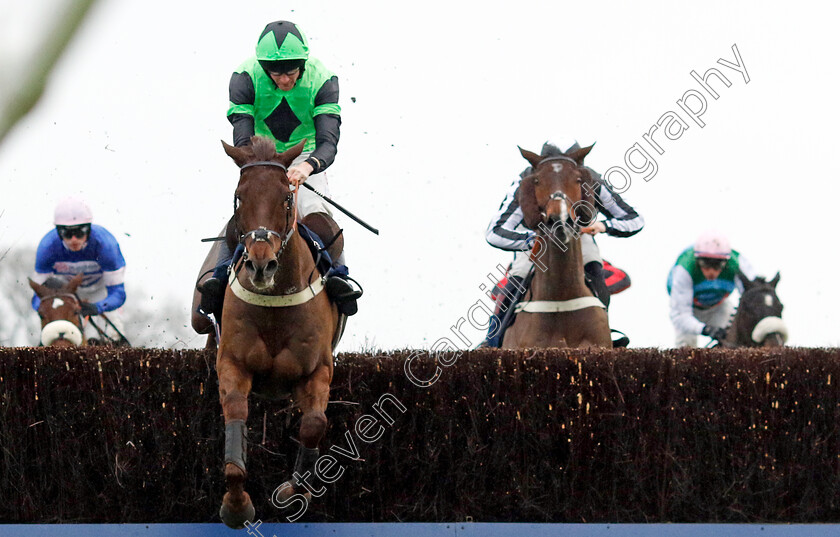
(38, 288)
(288, 156)
(744, 280)
(75, 282)
(533, 158)
(580, 154)
(775, 281)
(238, 154)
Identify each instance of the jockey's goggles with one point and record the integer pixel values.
(290, 74)
(711, 263)
(68, 232)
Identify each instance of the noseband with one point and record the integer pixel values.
(263, 234)
(559, 194)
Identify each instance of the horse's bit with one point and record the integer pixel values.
(560, 195)
(263, 234)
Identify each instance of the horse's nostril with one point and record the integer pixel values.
(249, 266)
(271, 266)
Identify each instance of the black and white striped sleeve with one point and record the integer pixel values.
(622, 220)
(506, 229)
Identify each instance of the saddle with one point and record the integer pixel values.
(320, 252)
(617, 281)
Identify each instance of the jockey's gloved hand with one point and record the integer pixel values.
(715, 333)
(89, 309)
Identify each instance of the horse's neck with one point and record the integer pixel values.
(563, 279)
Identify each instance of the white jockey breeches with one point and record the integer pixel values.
(719, 316)
(589, 250)
(309, 202)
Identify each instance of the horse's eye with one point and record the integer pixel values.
(236, 203)
(536, 181)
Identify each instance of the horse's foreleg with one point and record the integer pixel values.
(312, 396)
(234, 387)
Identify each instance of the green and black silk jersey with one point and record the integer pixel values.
(308, 111)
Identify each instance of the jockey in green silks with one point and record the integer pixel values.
(282, 93)
(700, 285)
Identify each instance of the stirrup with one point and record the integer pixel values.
(343, 294)
(212, 296)
(620, 342)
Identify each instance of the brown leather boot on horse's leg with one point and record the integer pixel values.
(311, 396)
(237, 507)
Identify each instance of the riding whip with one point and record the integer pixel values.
(328, 200)
(345, 211)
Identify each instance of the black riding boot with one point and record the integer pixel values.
(213, 289)
(597, 282)
(343, 294)
(501, 318)
(596, 279)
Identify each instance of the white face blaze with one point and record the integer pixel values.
(557, 166)
(768, 300)
(57, 303)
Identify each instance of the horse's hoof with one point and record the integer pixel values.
(236, 519)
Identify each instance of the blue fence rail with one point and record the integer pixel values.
(422, 530)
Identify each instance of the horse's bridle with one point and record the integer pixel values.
(559, 194)
(75, 299)
(263, 234)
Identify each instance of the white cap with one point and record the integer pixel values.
(72, 211)
(712, 244)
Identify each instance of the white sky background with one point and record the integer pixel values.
(445, 91)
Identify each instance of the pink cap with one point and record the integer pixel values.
(712, 244)
(72, 211)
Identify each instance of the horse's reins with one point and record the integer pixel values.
(558, 306)
(559, 194)
(81, 319)
(78, 306)
(262, 234)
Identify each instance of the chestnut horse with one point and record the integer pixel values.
(60, 312)
(758, 320)
(279, 328)
(558, 310)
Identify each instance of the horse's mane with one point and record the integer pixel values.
(263, 148)
(54, 283)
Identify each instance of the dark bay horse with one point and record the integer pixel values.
(279, 328)
(60, 312)
(559, 310)
(758, 320)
